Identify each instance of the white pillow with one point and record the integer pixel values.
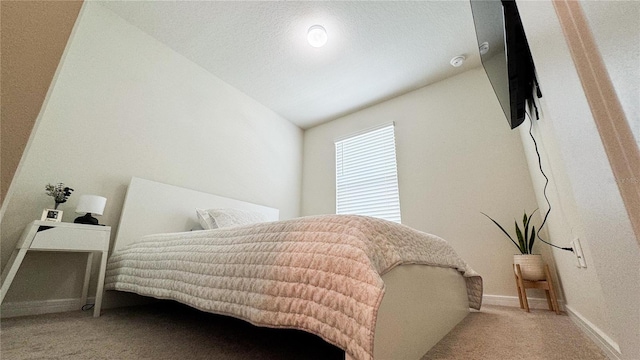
(205, 220)
(224, 218)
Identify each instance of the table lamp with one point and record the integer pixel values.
(90, 204)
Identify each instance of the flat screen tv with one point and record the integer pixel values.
(505, 56)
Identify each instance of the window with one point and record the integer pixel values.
(367, 175)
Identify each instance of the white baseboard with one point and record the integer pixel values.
(599, 337)
(513, 301)
(25, 308)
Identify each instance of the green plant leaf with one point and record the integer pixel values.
(522, 247)
(528, 240)
(525, 222)
(533, 239)
(528, 219)
(503, 230)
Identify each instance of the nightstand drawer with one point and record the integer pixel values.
(57, 238)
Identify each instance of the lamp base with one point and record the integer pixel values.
(86, 219)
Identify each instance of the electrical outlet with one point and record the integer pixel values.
(577, 251)
(572, 245)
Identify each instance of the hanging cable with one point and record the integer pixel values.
(544, 190)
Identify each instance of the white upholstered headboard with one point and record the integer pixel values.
(151, 207)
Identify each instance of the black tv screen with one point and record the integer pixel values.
(505, 55)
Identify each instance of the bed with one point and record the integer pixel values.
(377, 290)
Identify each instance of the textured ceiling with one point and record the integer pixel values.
(376, 50)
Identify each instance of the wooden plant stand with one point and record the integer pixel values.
(546, 285)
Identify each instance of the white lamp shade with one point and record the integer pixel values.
(91, 204)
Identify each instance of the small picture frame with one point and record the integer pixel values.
(51, 215)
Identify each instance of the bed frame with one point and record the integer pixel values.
(421, 303)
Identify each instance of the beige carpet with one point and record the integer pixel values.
(172, 331)
(510, 333)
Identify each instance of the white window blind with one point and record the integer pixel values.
(367, 175)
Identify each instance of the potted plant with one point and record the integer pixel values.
(531, 265)
(59, 192)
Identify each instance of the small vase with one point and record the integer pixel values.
(531, 266)
(56, 206)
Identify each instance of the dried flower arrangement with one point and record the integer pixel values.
(59, 192)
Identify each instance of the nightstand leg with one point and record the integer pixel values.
(100, 290)
(10, 271)
(87, 276)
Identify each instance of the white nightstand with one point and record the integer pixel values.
(61, 236)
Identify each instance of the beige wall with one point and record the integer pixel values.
(585, 199)
(456, 157)
(34, 35)
(125, 105)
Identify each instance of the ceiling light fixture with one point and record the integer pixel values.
(317, 36)
(457, 61)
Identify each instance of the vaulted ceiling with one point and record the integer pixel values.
(375, 51)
